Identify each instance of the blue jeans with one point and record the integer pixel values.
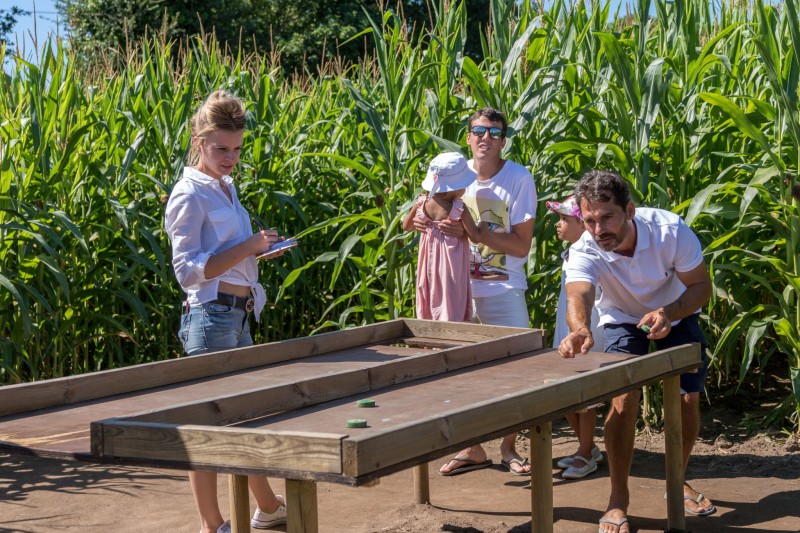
(627, 338)
(212, 327)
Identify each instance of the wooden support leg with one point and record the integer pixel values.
(240, 503)
(422, 492)
(301, 506)
(542, 478)
(673, 457)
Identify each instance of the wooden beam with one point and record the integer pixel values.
(542, 478)
(194, 447)
(301, 506)
(463, 331)
(239, 503)
(673, 453)
(422, 491)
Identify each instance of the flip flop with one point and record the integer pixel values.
(468, 467)
(705, 512)
(622, 520)
(507, 465)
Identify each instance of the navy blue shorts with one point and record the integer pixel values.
(627, 338)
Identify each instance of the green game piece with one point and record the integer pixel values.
(356, 423)
(365, 403)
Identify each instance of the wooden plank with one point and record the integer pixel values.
(527, 340)
(194, 447)
(248, 405)
(434, 344)
(465, 331)
(61, 391)
(265, 401)
(639, 370)
(472, 423)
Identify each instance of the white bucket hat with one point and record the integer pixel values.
(448, 172)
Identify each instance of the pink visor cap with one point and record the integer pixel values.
(568, 207)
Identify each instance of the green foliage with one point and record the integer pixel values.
(304, 34)
(699, 110)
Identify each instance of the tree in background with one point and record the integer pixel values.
(304, 33)
(8, 18)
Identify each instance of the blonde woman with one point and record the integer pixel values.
(214, 256)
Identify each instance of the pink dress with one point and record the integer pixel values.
(443, 290)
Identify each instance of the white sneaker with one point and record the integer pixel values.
(566, 462)
(577, 472)
(262, 520)
(225, 527)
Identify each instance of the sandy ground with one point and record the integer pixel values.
(754, 482)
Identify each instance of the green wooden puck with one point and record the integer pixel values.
(365, 403)
(645, 328)
(357, 423)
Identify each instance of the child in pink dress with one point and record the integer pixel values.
(443, 286)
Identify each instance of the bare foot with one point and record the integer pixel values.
(614, 521)
(471, 458)
(695, 503)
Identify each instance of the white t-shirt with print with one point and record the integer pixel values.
(634, 286)
(507, 199)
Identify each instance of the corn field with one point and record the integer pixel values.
(696, 105)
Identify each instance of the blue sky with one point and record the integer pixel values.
(24, 29)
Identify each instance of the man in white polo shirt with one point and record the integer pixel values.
(650, 266)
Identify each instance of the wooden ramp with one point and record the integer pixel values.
(52, 418)
(281, 409)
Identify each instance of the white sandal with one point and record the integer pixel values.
(577, 472)
(566, 462)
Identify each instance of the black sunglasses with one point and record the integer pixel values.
(494, 133)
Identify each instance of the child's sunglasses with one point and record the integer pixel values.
(494, 133)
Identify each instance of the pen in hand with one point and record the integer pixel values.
(259, 224)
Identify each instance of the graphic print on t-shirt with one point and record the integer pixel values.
(486, 263)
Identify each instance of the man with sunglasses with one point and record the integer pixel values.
(503, 200)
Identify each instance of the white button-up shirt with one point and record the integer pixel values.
(201, 221)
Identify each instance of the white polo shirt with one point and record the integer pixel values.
(634, 286)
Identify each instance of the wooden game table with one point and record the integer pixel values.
(281, 409)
